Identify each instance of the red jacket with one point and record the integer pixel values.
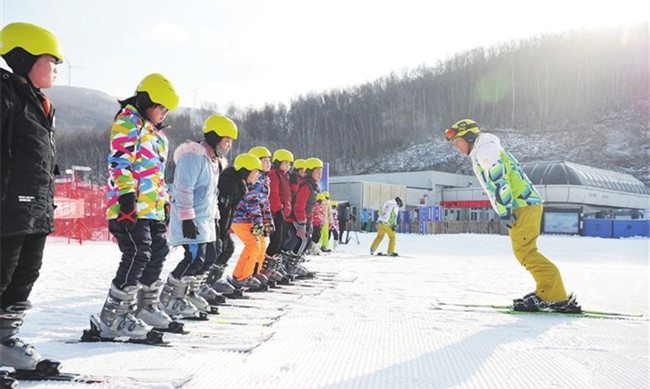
(280, 197)
(304, 201)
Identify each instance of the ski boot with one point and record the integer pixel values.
(372, 251)
(222, 286)
(174, 303)
(16, 353)
(268, 269)
(568, 306)
(247, 283)
(208, 293)
(194, 283)
(149, 310)
(264, 283)
(117, 320)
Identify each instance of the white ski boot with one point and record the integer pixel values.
(117, 320)
(149, 310)
(173, 299)
(208, 293)
(194, 283)
(13, 351)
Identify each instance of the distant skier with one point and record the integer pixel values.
(386, 225)
(520, 208)
(137, 213)
(27, 180)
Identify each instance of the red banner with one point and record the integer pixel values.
(68, 208)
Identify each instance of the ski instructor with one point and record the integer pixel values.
(520, 208)
(27, 180)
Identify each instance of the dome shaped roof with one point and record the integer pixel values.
(569, 173)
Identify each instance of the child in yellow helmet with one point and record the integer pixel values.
(27, 217)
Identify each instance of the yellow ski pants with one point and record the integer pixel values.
(382, 230)
(524, 245)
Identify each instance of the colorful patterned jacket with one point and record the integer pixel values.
(249, 209)
(501, 176)
(263, 187)
(136, 164)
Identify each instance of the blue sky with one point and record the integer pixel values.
(249, 52)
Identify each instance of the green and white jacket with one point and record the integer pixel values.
(501, 176)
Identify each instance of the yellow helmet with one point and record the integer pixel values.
(33, 39)
(282, 155)
(326, 194)
(319, 197)
(221, 126)
(299, 164)
(247, 161)
(334, 203)
(160, 90)
(313, 163)
(260, 152)
(462, 128)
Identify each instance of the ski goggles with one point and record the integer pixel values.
(453, 132)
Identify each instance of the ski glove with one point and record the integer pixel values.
(128, 211)
(257, 229)
(301, 230)
(509, 220)
(269, 228)
(190, 230)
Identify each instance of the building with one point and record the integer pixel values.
(571, 192)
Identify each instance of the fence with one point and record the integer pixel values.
(81, 211)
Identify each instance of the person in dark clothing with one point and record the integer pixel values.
(28, 168)
(232, 188)
(344, 217)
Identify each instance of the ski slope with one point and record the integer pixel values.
(373, 325)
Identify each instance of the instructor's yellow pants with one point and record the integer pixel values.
(524, 245)
(383, 229)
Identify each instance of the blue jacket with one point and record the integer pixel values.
(195, 193)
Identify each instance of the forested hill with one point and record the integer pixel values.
(580, 96)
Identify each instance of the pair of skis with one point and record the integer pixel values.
(11, 379)
(509, 309)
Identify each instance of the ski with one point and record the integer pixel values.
(256, 304)
(508, 309)
(23, 375)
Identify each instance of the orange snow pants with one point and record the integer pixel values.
(248, 257)
(524, 245)
(261, 255)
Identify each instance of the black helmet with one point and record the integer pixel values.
(399, 201)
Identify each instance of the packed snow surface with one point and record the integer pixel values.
(372, 324)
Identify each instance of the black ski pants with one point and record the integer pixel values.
(144, 250)
(278, 236)
(193, 260)
(20, 263)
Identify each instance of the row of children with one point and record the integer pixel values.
(253, 198)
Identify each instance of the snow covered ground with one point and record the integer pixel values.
(378, 331)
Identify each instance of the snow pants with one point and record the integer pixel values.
(144, 250)
(324, 236)
(21, 260)
(248, 257)
(383, 229)
(278, 236)
(524, 245)
(261, 255)
(193, 260)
